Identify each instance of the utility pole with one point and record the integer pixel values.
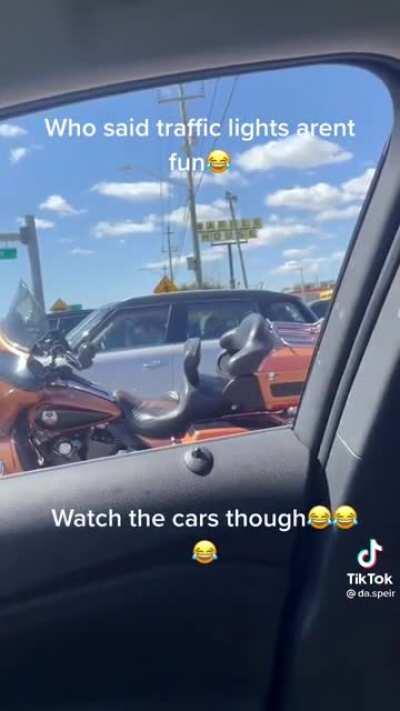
(28, 236)
(228, 244)
(231, 199)
(170, 251)
(301, 270)
(182, 99)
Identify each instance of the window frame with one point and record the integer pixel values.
(120, 312)
(224, 300)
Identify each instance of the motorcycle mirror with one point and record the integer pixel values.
(86, 353)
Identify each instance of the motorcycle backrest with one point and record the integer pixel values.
(191, 360)
(246, 346)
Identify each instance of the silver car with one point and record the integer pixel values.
(139, 342)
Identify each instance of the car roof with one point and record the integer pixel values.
(319, 301)
(75, 36)
(205, 295)
(66, 314)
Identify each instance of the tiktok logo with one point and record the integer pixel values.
(368, 557)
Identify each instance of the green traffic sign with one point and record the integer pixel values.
(8, 253)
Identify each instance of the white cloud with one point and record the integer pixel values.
(278, 232)
(43, 224)
(217, 210)
(356, 188)
(307, 264)
(56, 203)
(80, 252)
(134, 192)
(40, 224)
(124, 227)
(330, 202)
(338, 213)
(298, 151)
(17, 154)
(338, 256)
(208, 255)
(297, 253)
(10, 130)
(287, 267)
(164, 263)
(218, 179)
(315, 198)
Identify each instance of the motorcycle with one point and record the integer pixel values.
(51, 415)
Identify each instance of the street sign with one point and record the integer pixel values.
(8, 253)
(59, 305)
(224, 230)
(75, 307)
(164, 286)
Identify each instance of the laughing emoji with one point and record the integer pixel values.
(345, 517)
(204, 552)
(218, 161)
(319, 517)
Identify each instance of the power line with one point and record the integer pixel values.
(210, 111)
(222, 121)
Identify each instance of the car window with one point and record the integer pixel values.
(321, 308)
(84, 327)
(211, 319)
(136, 328)
(285, 311)
(177, 212)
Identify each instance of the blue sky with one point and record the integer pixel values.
(102, 204)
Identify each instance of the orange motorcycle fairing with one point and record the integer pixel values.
(282, 376)
(10, 462)
(74, 400)
(12, 402)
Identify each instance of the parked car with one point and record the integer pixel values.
(320, 307)
(139, 342)
(64, 321)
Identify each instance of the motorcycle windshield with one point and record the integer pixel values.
(25, 322)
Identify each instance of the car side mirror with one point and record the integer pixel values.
(86, 353)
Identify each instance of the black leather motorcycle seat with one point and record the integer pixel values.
(152, 407)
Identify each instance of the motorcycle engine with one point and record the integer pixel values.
(79, 446)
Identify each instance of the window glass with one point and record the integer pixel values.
(216, 196)
(136, 328)
(86, 325)
(285, 311)
(320, 308)
(211, 319)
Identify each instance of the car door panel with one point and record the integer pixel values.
(142, 371)
(132, 351)
(126, 597)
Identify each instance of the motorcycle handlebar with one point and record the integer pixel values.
(54, 345)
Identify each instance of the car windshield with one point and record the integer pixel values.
(25, 321)
(77, 334)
